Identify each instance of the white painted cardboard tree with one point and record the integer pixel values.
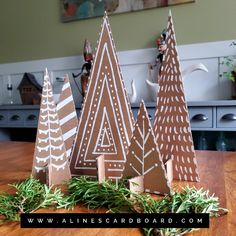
(106, 121)
(67, 116)
(171, 125)
(50, 163)
(144, 158)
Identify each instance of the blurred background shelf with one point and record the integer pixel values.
(213, 123)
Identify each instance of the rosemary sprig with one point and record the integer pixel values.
(96, 195)
(30, 195)
(189, 200)
(7, 208)
(117, 198)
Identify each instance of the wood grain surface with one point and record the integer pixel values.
(217, 173)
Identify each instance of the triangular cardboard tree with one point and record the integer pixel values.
(50, 164)
(171, 125)
(144, 158)
(67, 116)
(106, 121)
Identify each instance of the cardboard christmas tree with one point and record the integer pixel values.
(171, 125)
(50, 163)
(144, 158)
(106, 120)
(67, 116)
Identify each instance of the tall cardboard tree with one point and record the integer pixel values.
(50, 163)
(106, 120)
(67, 116)
(171, 125)
(144, 157)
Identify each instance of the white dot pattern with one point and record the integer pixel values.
(105, 90)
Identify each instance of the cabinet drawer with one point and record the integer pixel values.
(226, 117)
(31, 118)
(16, 118)
(3, 117)
(201, 117)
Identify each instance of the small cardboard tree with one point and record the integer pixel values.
(171, 125)
(144, 158)
(106, 120)
(50, 163)
(67, 116)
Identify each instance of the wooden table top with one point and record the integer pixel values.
(217, 173)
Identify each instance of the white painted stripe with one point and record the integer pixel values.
(67, 118)
(136, 170)
(69, 133)
(156, 192)
(111, 169)
(136, 141)
(87, 168)
(68, 152)
(64, 102)
(147, 171)
(92, 176)
(147, 154)
(65, 86)
(137, 158)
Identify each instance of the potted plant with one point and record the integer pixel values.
(229, 63)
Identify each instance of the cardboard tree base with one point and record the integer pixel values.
(143, 158)
(136, 184)
(101, 168)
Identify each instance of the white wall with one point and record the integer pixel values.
(199, 86)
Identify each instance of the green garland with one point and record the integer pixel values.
(31, 195)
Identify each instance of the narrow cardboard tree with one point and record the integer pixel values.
(50, 164)
(144, 158)
(67, 116)
(106, 121)
(171, 125)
